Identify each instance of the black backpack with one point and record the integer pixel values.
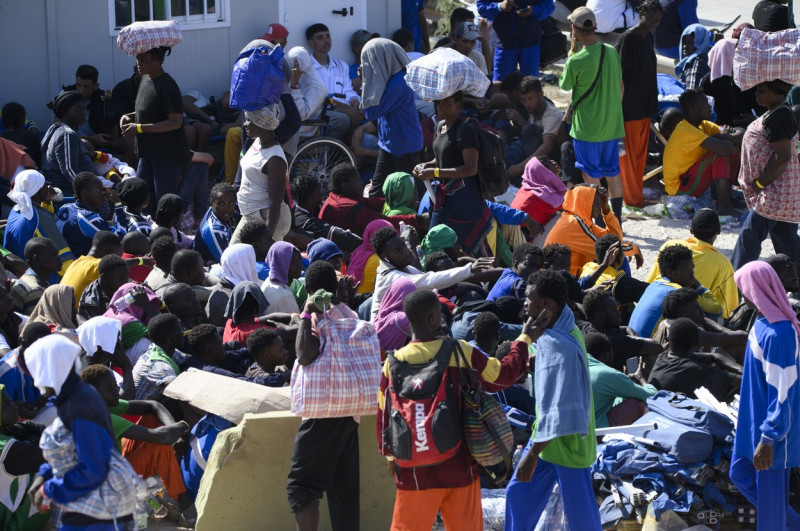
(491, 161)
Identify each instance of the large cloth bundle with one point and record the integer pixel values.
(764, 57)
(444, 72)
(257, 78)
(141, 37)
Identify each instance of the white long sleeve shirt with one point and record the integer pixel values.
(336, 77)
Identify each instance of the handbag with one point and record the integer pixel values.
(487, 432)
(571, 107)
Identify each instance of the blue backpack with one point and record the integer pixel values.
(257, 79)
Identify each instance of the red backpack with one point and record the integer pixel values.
(422, 411)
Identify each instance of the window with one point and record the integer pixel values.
(190, 14)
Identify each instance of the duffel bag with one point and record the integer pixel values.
(685, 444)
(693, 413)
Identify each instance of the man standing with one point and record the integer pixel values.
(594, 75)
(563, 445)
(516, 33)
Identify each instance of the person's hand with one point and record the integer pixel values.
(507, 5)
(180, 447)
(140, 297)
(516, 119)
(128, 130)
(350, 286)
(482, 264)
(412, 239)
(482, 104)
(527, 466)
(105, 95)
(126, 119)
(638, 376)
(603, 193)
(426, 174)
(36, 496)
(604, 285)
(112, 196)
(535, 327)
(26, 410)
(354, 102)
(297, 73)
(484, 30)
(611, 256)
(534, 227)
(515, 170)
(762, 457)
(424, 220)
(525, 13)
(310, 307)
(639, 259)
(100, 139)
(752, 187)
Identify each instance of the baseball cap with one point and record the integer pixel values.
(583, 18)
(361, 36)
(467, 30)
(705, 219)
(275, 31)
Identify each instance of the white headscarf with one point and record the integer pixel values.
(238, 263)
(99, 332)
(380, 60)
(50, 360)
(268, 117)
(26, 184)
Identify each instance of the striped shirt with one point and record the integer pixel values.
(27, 291)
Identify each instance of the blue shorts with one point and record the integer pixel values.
(597, 159)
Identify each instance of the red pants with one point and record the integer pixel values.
(632, 164)
(415, 510)
(150, 459)
(708, 169)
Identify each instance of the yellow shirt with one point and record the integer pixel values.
(711, 268)
(609, 274)
(370, 273)
(80, 274)
(683, 150)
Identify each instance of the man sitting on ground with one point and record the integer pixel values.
(271, 356)
(96, 298)
(699, 153)
(677, 271)
(157, 367)
(102, 126)
(181, 301)
(679, 370)
(215, 229)
(187, 267)
(42, 257)
(712, 268)
(307, 196)
(625, 289)
(527, 258)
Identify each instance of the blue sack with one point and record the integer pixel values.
(257, 79)
(684, 443)
(693, 413)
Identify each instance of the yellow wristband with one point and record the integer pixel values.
(436, 172)
(141, 261)
(760, 186)
(139, 128)
(525, 338)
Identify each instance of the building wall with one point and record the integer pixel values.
(42, 42)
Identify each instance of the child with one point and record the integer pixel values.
(214, 233)
(135, 195)
(563, 445)
(527, 258)
(451, 486)
(157, 367)
(267, 348)
(169, 215)
(136, 245)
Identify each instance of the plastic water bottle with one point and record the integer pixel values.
(622, 150)
(516, 457)
(405, 230)
(124, 302)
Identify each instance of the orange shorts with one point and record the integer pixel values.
(415, 510)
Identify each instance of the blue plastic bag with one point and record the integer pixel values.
(257, 79)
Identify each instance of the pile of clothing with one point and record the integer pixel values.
(681, 466)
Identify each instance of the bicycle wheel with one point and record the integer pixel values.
(317, 157)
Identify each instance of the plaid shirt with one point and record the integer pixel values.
(152, 376)
(694, 71)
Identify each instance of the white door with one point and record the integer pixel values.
(343, 18)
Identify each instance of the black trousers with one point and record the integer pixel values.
(386, 165)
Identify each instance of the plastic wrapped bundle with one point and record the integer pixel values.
(141, 37)
(444, 72)
(764, 57)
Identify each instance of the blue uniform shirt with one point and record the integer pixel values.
(213, 237)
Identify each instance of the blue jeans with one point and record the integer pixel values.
(506, 60)
(525, 502)
(755, 230)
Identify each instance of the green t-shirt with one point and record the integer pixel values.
(572, 451)
(119, 425)
(598, 118)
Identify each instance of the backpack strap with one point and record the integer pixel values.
(596, 78)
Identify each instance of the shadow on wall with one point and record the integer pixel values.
(244, 485)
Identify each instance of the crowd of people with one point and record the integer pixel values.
(123, 266)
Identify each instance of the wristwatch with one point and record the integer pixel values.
(212, 118)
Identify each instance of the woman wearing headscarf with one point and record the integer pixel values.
(542, 191)
(29, 218)
(57, 309)
(169, 215)
(399, 191)
(157, 126)
(364, 262)
(439, 238)
(767, 442)
(238, 264)
(21, 459)
(696, 41)
(385, 97)
(134, 316)
(263, 187)
(285, 265)
(770, 178)
(392, 323)
(308, 90)
(63, 154)
(85, 475)
(101, 339)
(246, 306)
